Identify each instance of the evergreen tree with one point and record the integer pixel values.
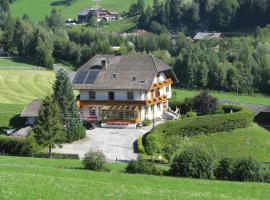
(63, 94)
(48, 130)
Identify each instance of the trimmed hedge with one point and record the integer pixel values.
(233, 118)
(210, 123)
(140, 145)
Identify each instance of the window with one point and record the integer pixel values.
(158, 106)
(111, 95)
(92, 95)
(167, 89)
(92, 111)
(130, 95)
(113, 75)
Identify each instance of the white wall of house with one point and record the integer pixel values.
(161, 77)
(150, 113)
(118, 95)
(31, 120)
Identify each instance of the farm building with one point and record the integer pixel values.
(207, 35)
(122, 91)
(101, 13)
(31, 111)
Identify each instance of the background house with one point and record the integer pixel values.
(103, 14)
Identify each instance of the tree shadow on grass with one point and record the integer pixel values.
(17, 122)
(63, 3)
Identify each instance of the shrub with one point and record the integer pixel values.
(246, 169)
(11, 145)
(185, 106)
(224, 169)
(266, 176)
(191, 114)
(146, 122)
(204, 103)
(143, 167)
(192, 162)
(151, 144)
(140, 145)
(94, 160)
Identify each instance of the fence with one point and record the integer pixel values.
(45, 155)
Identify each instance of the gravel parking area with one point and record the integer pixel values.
(114, 143)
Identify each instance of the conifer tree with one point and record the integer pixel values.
(49, 130)
(63, 94)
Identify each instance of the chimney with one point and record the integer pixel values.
(104, 64)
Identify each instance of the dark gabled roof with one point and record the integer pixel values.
(206, 35)
(134, 72)
(32, 109)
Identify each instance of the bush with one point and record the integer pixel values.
(146, 122)
(192, 162)
(246, 169)
(143, 167)
(191, 114)
(224, 169)
(11, 145)
(266, 176)
(140, 145)
(184, 106)
(94, 160)
(204, 103)
(152, 144)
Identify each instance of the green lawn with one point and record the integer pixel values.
(18, 88)
(15, 63)
(38, 9)
(181, 94)
(253, 141)
(32, 178)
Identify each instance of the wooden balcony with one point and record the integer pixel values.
(161, 84)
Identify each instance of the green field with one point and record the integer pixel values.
(19, 87)
(181, 94)
(32, 178)
(15, 63)
(253, 141)
(38, 9)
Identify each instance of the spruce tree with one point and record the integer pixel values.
(63, 94)
(49, 130)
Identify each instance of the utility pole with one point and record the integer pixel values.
(97, 10)
(153, 106)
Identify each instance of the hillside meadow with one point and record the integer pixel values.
(181, 94)
(19, 85)
(38, 9)
(33, 178)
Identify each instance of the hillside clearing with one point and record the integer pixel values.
(181, 94)
(25, 178)
(38, 10)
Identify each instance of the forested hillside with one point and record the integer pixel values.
(183, 15)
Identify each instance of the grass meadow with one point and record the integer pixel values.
(35, 178)
(253, 141)
(19, 85)
(38, 9)
(181, 94)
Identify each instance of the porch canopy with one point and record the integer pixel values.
(128, 113)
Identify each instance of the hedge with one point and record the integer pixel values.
(239, 118)
(140, 145)
(11, 145)
(242, 118)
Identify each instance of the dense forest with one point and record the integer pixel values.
(183, 15)
(238, 64)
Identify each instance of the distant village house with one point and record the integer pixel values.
(207, 35)
(31, 111)
(101, 14)
(122, 91)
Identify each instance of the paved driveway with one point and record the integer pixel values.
(114, 143)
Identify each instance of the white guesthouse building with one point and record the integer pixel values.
(122, 91)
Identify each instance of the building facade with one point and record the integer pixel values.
(122, 91)
(101, 14)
